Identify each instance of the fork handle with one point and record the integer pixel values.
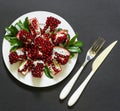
(73, 99)
(65, 91)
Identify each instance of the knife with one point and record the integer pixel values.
(97, 62)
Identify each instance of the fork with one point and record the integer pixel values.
(97, 45)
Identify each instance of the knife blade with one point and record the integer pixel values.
(98, 61)
(96, 64)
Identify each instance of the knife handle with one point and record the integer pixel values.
(73, 99)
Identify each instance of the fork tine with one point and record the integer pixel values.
(97, 45)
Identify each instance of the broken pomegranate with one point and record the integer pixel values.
(32, 30)
(34, 26)
(33, 52)
(25, 67)
(51, 23)
(61, 54)
(54, 67)
(37, 68)
(60, 37)
(18, 55)
(44, 45)
(24, 36)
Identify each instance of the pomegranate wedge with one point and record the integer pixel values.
(61, 54)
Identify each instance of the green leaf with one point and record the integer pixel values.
(59, 29)
(47, 72)
(15, 42)
(14, 48)
(74, 49)
(14, 29)
(71, 55)
(11, 30)
(71, 42)
(26, 23)
(78, 44)
(7, 37)
(21, 25)
(68, 36)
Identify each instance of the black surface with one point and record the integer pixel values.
(90, 18)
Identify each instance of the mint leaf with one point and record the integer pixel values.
(59, 29)
(71, 55)
(71, 42)
(11, 30)
(7, 37)
(15, 42)
(68, 36)
(74, 49)
(26, 23)
(47, 72)
(14, 48)
(20, 25)
(78, 44)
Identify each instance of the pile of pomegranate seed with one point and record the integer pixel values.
(51, 23)
(42, 47)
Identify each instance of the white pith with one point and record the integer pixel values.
(60, 50)
(38, 61)
(19, 52)
(22, 67)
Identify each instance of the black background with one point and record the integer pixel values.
(90, 18)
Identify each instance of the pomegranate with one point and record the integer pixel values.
(24, 36)
(25, 67)
(18, 55)
(54, 67)
(33, 52)
(32, 30)
(62, 55)
(60, 37)
(44, 45)
(51, 23)
(37, 68)
(34, 26)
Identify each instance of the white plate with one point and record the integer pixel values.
(43, 81)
